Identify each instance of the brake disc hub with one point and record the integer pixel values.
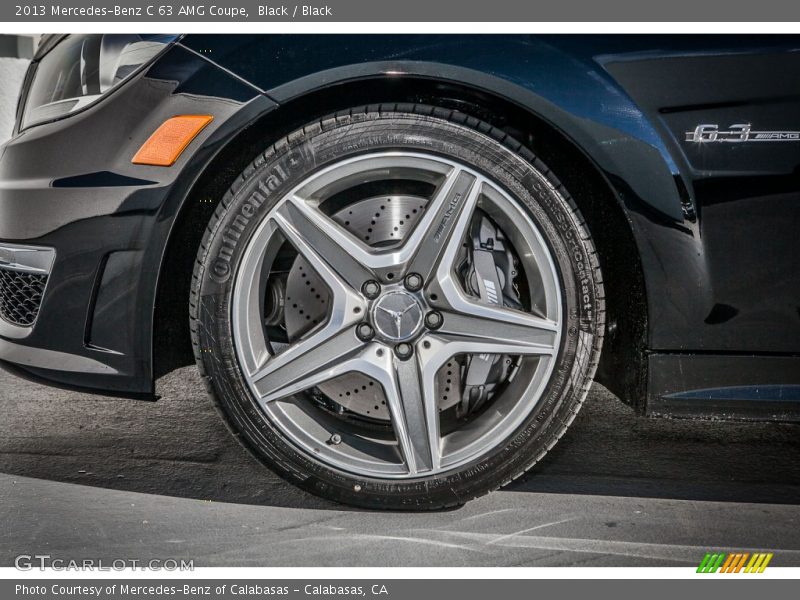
(396, 315)
(377, 221)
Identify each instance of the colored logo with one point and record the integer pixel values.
(742, 562)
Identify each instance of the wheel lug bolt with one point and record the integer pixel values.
(414, 282)
(365, 332)
(336, 439)
(403, 351)
(434, 320)
(371, 289)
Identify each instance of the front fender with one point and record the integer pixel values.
(560, 80)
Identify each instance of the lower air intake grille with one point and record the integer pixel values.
(20, 296)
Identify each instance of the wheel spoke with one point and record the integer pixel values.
(309, 362)
(446, 221)
(495, 330)
(414, 416)
(322, 242)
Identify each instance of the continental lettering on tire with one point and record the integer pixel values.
(232, 235)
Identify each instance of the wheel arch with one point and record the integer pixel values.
(535, 123)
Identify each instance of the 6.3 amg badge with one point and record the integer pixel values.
(738, 133)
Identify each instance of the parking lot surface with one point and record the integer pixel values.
(89, 477)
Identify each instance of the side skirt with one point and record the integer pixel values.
(718, 386)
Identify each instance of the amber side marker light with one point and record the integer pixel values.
(167, 142)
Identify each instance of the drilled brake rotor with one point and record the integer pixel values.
(378, 221)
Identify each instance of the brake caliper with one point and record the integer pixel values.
(488, 274)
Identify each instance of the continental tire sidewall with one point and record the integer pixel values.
(290, 161)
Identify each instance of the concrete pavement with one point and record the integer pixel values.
(84, 476)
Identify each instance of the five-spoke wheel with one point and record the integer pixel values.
(388, 309)
(397, 313)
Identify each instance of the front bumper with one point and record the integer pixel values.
(97, 226)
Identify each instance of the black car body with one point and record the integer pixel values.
(695, 216)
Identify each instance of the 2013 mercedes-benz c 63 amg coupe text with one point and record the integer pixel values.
(396, 259)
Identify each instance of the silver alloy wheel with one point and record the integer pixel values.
(277, 376)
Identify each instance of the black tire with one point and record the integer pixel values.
(485, 149)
